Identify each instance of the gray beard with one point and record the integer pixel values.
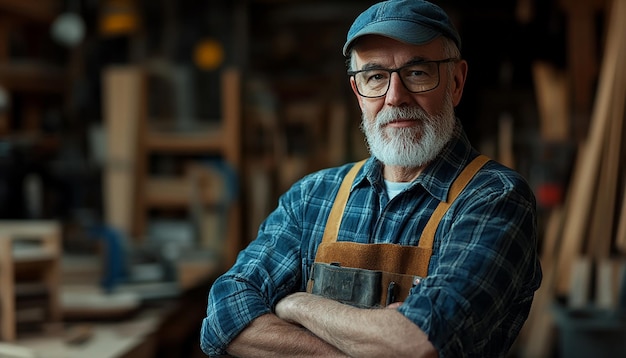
(409, 147)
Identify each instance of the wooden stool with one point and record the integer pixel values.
(45, 257)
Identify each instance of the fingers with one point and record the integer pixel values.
(394, 305)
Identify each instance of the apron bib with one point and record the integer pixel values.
(371, 275)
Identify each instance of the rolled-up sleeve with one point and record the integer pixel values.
(483, 274)
(231, 307)
(266, 271)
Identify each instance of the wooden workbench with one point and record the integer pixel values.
(134, 338)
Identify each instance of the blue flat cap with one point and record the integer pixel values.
(411, 21)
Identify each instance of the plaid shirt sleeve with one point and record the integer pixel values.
(272, 266)
(484, 270)
(269, 268)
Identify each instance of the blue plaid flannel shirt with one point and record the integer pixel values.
(482, 275)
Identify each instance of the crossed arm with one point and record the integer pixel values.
(309, 325)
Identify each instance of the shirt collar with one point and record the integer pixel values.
(438, 176)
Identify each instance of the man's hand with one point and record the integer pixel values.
(394, 306)
(356, 332)
(270, 336)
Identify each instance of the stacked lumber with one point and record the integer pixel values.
(584, 243)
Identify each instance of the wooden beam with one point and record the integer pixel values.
(583, 64)
(7, 296)
(608, 281)
(620, 241)
(123, 105)
(586, 173)
(579, 293)
(505, 140)
(601, 233)
(552, 92)
(538, 332)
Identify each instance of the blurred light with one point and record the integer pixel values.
(208, 54)
(68, 29)
(118, 17)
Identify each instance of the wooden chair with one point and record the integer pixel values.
(33, 247)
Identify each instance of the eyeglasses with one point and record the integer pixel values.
(421, 76)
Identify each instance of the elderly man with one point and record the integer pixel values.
(425, 249)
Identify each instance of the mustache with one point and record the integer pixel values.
(392, 114)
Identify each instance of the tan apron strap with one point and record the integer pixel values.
(336, 213)
(428, 235)
(398, 265)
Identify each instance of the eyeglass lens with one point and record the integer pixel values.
(418, 77)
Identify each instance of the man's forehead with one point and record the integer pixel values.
(376, 48)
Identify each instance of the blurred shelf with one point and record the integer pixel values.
(176, 193)
(29, 76)
(46, 142)
(135, 192)
(37, 10)
(201, 141)
(33, 256)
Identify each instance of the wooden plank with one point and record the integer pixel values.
(538, 332)
(205, 142)
(608, 280)
(140, 210)
(580, 288)
(7, 294)
(582, 193)
(553, 231)
(583, 65)
(123, 100)
(602, 225)
(603, 215)
(505, 140)
(620, 241)
(552, 95)
(181, 191)
(231, 112)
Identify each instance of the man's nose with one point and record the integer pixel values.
(397, 94)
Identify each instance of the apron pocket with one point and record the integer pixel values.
(356, 287)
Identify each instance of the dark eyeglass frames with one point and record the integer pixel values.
(417, 77)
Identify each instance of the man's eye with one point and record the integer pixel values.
(376, 76)
(420, 71)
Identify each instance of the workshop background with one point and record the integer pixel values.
(142, 142)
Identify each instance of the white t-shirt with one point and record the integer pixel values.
(394, 188)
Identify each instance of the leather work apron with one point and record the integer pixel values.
(371, 275)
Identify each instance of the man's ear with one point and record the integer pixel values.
(459, 75)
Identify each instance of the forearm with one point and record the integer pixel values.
(269, 335)
(357, 332)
